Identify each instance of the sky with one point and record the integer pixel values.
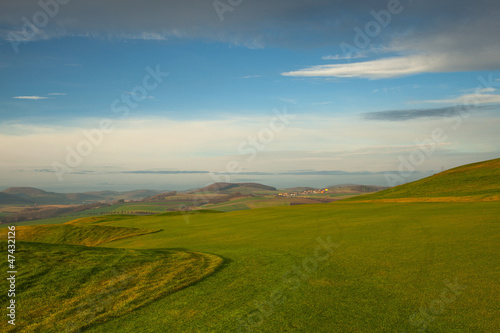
(173, 95)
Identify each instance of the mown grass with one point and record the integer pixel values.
(393, 260)
(67, 288)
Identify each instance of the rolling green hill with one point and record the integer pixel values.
(42, 197)
(10, 199)
(339, 267)
(243, 188)
(472, 182)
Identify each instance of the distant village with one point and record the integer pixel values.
(307, 192)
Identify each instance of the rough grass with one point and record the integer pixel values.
(88, 235)
(472, 182)
(56, 220)
(66, 288)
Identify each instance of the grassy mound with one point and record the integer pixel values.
(66, 288)
(472, 182)
(88, 235)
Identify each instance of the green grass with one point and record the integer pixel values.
(393, 259)
(391, 262)
(250, 203)
(88, 235)
(228, 207)
(56, 220)
(65, 288)
(479, 181)
(268, 203)
(151, 207)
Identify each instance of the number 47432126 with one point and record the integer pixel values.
(11, 241)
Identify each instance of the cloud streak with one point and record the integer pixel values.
(410, 114)
(33, 98)
(400, 66)
(468, 98)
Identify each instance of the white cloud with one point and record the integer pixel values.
(30, 97)
(375, 69)
(454, 48)
(57, 94)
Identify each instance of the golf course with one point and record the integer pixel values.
(420, 257)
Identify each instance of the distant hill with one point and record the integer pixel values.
(41, 197)
(297, 189)
(477, 181)
(25, 191)
(139, 194)
(30, 195)
(10, 199)
(352, 188)
(342, 185)
(159, 197)
(127, 195)
(244, 188)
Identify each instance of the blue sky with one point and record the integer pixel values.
(359, 86)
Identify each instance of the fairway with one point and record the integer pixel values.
(388, 262)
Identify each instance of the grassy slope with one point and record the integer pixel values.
(56, 220)
(472, 182)
(64, 288)
(392, 262)
(91, 235)
(393, 259)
